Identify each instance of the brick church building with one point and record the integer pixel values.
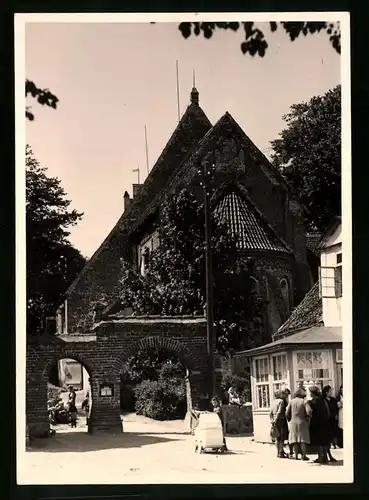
(250, 196)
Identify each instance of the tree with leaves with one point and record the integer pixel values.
(174, 279)
(308, 154)
(43, 97)
(52, 262)
(255, 40)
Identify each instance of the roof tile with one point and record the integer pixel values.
(312, 241)
(243, 222)
(308, 313)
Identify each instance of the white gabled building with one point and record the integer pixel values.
(307, 348)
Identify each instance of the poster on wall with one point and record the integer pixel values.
(72, 373)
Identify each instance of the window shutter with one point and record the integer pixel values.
(338, 280)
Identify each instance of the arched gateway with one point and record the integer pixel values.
(103, 353)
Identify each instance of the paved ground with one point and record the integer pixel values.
(160, 452)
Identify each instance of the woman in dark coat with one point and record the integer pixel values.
(279, 430)
(319, 424)
(340, 418)
(333, 419)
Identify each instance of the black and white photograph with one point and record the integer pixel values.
(183, 248)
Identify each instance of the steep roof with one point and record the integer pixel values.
(313, 335)
(193, 125)
(308, 313)
(229, 124)
(312, 242)
(210, 140)
(329, 232)
(246, 223)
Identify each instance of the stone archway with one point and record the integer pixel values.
(103, 352)
(65, 354)
(197, 393)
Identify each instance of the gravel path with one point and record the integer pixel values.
(160, 452)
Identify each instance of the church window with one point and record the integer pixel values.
(285, 293)
(255, 287)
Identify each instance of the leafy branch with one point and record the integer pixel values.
(43, 96)
(255, 41)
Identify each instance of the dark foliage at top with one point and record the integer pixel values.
(43, 96)
(255, 40)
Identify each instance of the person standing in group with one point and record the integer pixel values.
(277, 415)
(319, 424)
(72, 395)
(73, 414)
(340, 418)
(86, 406)
(298, 414)
(333, 419)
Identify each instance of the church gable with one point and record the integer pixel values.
(260, 213)
(193, 125)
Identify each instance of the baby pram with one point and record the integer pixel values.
(209, 433)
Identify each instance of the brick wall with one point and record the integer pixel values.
(98, 280)
(103, 354)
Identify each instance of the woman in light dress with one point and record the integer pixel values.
(277, 415)
(298, 415)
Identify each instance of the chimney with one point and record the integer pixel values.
(127, 200)
(135, 190)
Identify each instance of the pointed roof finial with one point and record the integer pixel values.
(194, 92)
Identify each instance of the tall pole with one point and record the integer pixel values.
(147, 151)
(178, 108)
(207, 172)
(138, 173)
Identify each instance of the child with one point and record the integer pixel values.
(217, 408)
(73, 415)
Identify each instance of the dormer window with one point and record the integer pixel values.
(147, 245)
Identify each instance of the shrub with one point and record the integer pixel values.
(160, 399)
(53, 392)
(147, 365)
(171, 372)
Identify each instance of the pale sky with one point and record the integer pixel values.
(113, 79)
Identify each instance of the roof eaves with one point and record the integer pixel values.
(329, 231)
